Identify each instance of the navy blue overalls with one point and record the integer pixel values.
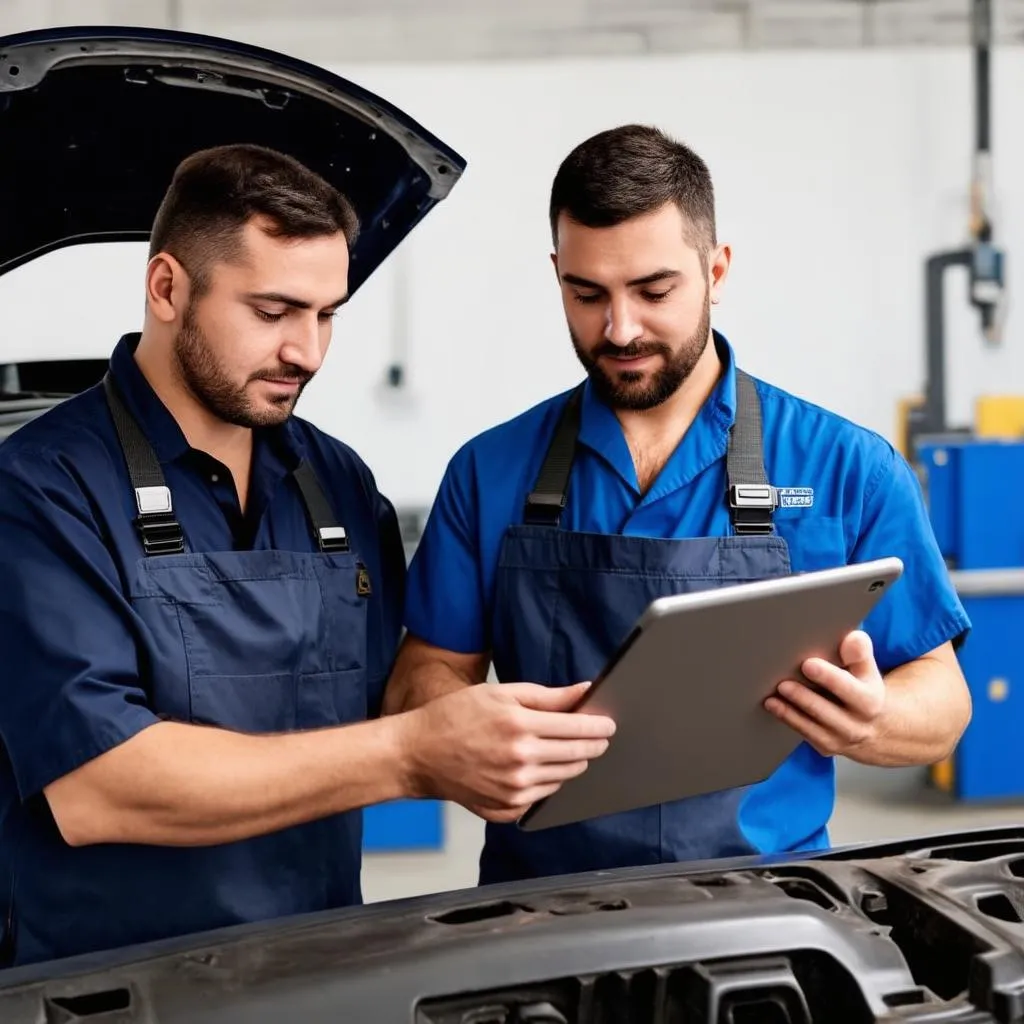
(566, 600)
(261, 641)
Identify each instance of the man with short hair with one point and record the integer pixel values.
(202, 601)
(546, 593)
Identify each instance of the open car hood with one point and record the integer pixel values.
(93, 122)
(923, 930)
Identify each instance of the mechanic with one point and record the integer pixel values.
(202, 601)
(505, 575)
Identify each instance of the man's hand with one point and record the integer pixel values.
(498, 748)
(857, 684)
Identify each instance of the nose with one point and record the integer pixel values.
(302, 346)
(622, 326)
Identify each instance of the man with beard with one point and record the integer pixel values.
(551, 533)
(202, 602)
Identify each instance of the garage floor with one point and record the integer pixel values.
(872, 804)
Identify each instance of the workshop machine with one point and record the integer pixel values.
(973, 477)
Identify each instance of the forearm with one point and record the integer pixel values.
(423, 674)
(422, 685)
(186, 785)
(927, 708)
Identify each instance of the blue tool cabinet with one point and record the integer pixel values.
(975, 493)
(403, 826)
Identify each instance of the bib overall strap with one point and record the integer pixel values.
(547, 499)
(752, 499)
(160, 531)
(329, 533)
(156, 523)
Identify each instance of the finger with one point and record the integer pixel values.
(544, 775)
(541, 789)
(860, 697)
(503, 816)
(515, 807)
(519, 786)
(546, 698)
(836, 720)
(553, 725)
(857, 654)
(497, 817)
(818, 737)
(498, 812)
(568, 751)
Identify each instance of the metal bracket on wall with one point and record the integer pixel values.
(983, 261)
(988, 582)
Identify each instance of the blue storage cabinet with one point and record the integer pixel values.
(975, 493)
(989, 762)
(403, 826)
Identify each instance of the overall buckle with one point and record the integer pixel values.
(544, 507)
(752, 506)
(332, 539)
(161, 534)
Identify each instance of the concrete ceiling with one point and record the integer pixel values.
(417, 30)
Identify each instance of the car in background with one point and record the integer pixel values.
(29, 389)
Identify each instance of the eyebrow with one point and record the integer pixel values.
(289, 300)
(658, 275)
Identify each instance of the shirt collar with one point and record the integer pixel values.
(705, 442)
(161, 428)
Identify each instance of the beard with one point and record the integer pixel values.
(213, 387)
(624, 389)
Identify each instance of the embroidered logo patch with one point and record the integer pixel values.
(796, 497)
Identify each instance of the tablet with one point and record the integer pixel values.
(687, 687)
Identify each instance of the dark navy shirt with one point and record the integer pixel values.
(74, 682)
(846, 496)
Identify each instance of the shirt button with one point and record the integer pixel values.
(214, 479)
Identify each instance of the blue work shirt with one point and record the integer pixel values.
(76, 652)
(846, 496)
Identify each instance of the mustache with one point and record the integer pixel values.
(283, 373)
(634, 350)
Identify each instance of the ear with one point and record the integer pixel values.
(554, 263)
(718, 270)
(167, 288)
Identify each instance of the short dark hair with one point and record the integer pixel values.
(215, 192)
(627, 171)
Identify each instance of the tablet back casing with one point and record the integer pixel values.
(687, 690)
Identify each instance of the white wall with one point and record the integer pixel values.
(836, 174)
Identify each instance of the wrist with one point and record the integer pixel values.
(405, 742)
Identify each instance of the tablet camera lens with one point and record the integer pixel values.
(877, 585)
